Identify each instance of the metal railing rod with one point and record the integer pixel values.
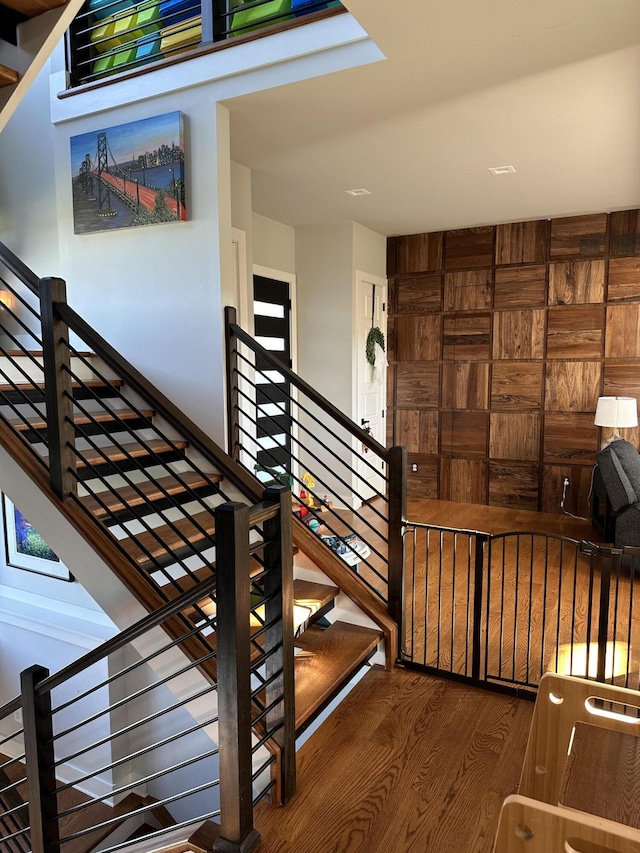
(141, 721)
(293, 400)
(326, 523)
(19, 269)
(311, 393)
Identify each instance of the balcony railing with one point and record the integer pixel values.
(113, 36)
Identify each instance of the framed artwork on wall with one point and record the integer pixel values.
(26, 549)
(129, 174)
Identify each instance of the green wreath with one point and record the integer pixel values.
(374, 337)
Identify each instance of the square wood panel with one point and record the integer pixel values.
(624, 232)
(419, 253)
(422, 483)
(522, 242)
(465, 385)
(418, 385)
(520, 287)
(572, 386)
(514, 485)
(516, 385)
(469, 248)
(428, 441)
(578, 236)
(576, 282)
(514, 436)
(464, 433)
(624, 280)
(622, 379)
(418, 338)
(518, 334)
(622, 339)
(418, 294)
(577, 493)
(570, 437)
(407, 429)
(463, 480)
(467, 337)
(468, 291)
(576, 331)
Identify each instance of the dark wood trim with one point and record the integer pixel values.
(58, 389)
(350, 584)
(40, 761)
(234, 679)
(233, 407)
(397, 516)
(278, 564)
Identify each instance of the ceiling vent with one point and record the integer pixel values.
(502, 170)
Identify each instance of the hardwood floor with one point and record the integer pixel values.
(406, 763)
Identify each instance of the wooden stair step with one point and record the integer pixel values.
(8, 76)
(33, 8)
(34, 391)
(169, 543)
(102, 417)
(330, 659)
(127, 456)
(153, 493)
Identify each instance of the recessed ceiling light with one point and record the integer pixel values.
(360, 191)
(502, 170)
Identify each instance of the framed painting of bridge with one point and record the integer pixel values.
(26, 549)
(129, 174)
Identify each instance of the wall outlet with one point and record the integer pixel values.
(17, 716)
(414, 467)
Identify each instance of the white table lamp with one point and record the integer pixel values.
(616, 412)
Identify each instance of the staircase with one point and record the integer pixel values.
(45, 22)
(148, 490)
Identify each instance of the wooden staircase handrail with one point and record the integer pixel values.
(325, 405)
(197, 438)
(19, 269)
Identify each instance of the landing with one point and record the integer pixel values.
(406, 763)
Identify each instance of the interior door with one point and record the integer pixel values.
(272, 329)
(371, 295)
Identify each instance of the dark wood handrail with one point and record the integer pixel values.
(311, 393)
(197, 438)
(19, 269)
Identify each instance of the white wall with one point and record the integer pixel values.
(274, 244)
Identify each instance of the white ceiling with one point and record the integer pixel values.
(550, 86)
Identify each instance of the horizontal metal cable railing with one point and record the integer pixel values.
(349, 487)
(503, 609)
(112, 36)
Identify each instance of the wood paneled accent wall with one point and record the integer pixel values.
(500, 340)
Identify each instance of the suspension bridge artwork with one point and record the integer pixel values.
(129, 174)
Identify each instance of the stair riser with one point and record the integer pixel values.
(36, 395)
(16, 368)
(131, 513)
(137, 464)
(35, 437)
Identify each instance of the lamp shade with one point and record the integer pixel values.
(617, 412)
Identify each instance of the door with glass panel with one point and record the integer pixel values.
(272, 330)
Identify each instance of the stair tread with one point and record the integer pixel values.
(320, 593)
(8, 76)
(116, 453)
(33, 8)
(330, 658)
(102, 416)
(88, 383)
(181, 535)
(102, 503)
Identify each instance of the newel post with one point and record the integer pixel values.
(233, 411)
(280, 698)
(39, 757)
(397, 471)
(58, 389)
(234, 680)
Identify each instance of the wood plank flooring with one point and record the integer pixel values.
(406, 763)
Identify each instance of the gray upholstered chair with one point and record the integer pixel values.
(619, 468)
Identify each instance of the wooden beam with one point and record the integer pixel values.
(8, 76)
